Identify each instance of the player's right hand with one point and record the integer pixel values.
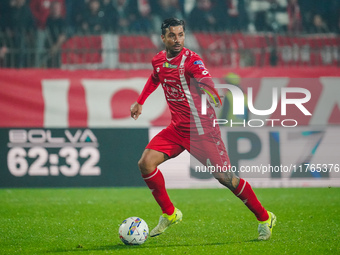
(136, 110)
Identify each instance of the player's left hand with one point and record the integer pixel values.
(216, 103)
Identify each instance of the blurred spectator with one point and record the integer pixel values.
(21, 32)
(94, 19)
(110, 16)
(332, 14)
(329, 10)
(188, 6)
(41, 10)
(122, 7)
(237, 15)
(294, 16)
(202, 16)
(3, 55)
(318, 26)
(5, 15)
(4, 32)
(180, 6)
(258, 15)
(166, 9)
(56, 29)
(69, 11)
(73, 8)
(307, 10)
(277, 16)
(261, 21)
(140, 16)
(25, 24)
(236, 18)
(78, 12)
(21, 17)
(268, 15)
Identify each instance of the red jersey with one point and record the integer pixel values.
(41, 10)
(182, 78)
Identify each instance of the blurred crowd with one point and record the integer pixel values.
(46, 24)
(125, 16)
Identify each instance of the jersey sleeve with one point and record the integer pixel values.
(197, 70)
(150, 86)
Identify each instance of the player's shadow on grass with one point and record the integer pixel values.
(151, 246)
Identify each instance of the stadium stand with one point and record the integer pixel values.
(121, 34)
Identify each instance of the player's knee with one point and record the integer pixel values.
(142, 165)
(150, 160)
(228, 180)
(145, 165)
(225, 181)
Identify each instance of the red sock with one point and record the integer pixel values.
(248, 197)
(156, 184)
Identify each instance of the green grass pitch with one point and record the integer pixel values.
(86, 221)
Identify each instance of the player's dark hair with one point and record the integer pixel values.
(172, 22)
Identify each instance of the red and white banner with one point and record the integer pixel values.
(57, 98)
(217, 49)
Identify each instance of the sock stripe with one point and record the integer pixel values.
(244, 184)
(147, 178)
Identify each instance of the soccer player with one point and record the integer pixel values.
(184, 78)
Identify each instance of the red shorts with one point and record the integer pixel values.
(208, 148)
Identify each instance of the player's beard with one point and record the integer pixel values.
(175, 51)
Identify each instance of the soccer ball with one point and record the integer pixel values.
(133, 231)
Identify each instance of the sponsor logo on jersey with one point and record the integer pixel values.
(167, 65)
(198, 62)
(173, 92)
(166, 80)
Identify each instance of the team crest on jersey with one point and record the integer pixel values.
(181, 71)
(168, 65)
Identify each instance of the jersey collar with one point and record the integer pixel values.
(180, 54)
